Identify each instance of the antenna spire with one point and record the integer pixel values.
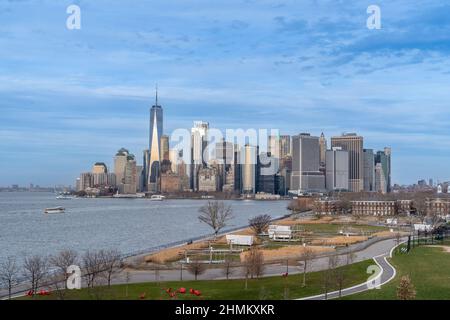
(156, 99)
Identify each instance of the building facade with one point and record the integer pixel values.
(306, 175)
(337, 169)
(354, 145)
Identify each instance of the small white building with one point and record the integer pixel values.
(423, 227)
(277, 232)
(240, 240)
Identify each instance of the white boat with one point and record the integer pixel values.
(64, 197)
(157, 197)
(54, 210)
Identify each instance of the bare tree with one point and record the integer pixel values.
(260, 223)
(329, 274)
(92, 264)
(111, 264)
(196, 268)
(306, 256)
(398, 239)
(228, 267)
(127, 281)
(8, 274)
(350, 257)
(216, 215)
(254, 263)
(35, 270)
(406, 290)
(63, 260)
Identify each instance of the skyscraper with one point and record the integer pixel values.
(369, 170)
(156, 131)
(323, 149)
(383, 158)
(273, 146)
(249, 163)
(354, 145)
(285, 146)
(164, 147)
(199, 140)
(336, 169)
(305, 164)
(125, 170)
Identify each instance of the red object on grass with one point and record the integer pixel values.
(142, 296)
(30, 293)
(197, 293)
(191, 291)
(182, 290)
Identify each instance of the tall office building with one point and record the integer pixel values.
(156, 131)
(99, 167)
(199, 140)
(336, 163)
(305, 164)
(120, 161)
(384, 159)
(323, 149)
(354, 145)
(125, 171)
(174, 158)
(369, 170)
(380, 179)
(249, 156)
(285, 146)
(164, 147)
(273, 146)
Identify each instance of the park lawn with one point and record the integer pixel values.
(276, 288)
(335, 228)
(429, 269)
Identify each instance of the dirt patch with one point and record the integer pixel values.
(338, 241)
(173, 254)
(446, 248)
(288, 252)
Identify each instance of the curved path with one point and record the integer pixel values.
(386, 273)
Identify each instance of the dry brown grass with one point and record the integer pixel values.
(287, 252)
(339, 240)
(173, 254)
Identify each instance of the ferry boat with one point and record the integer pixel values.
(64, 197)
(54, 210)
(157, 197)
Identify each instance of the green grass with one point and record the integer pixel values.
(258, 289)
(335, 228)
(429, 270)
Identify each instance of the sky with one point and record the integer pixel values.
(69, 98)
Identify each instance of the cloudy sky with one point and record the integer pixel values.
(69, 98)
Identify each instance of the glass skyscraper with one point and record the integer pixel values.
(156, 131)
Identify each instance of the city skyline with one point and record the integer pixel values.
(301, 68)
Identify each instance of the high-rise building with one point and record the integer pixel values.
(369, 170)
(305, 164)
(384, 159)
(125, 170)
(120, 162)
(174, 158)
(249, 163)
(353, 143)
(199, 140)
(99, 167)
(336, 163)
(323, 149)
(208, 180)
(285, 146)
(273, 146)
(86, 181)
(165, 147)
(156, 131)
(380, 179)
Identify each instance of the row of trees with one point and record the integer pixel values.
(99, 267)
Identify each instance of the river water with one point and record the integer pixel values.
(129, 225)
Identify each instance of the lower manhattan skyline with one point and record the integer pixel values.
(275, 65)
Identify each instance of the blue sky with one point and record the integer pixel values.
(71, 98)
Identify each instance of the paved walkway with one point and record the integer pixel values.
(386, 274)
